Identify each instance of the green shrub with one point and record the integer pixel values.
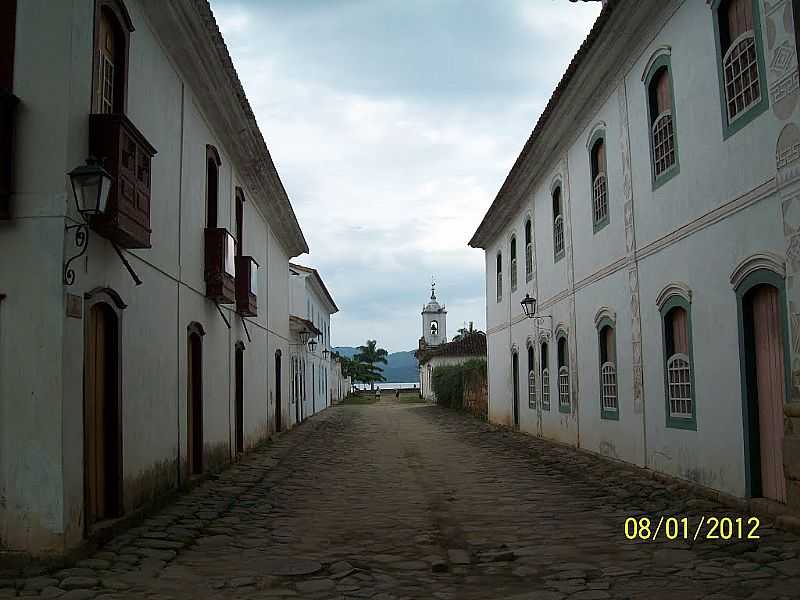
(448, 381)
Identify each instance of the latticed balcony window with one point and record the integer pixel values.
(608, 378)
(563, 388)
(680, 386)
(663, 143)
(558, 235)
(600, 196)
(528, 262)
(531, 389)
(545, 389)
(742, 85)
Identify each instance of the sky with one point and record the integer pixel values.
(393, 124)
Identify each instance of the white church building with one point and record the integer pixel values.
(434, 350)
(654, 218)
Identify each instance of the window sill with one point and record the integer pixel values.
(743, 120)
(597, 227)
(609, 415)
(666, 176)
(678, 423)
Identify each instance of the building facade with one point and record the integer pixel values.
(313, 362)
(654, 216)
(152, 345)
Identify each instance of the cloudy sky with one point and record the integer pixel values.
(393, 124)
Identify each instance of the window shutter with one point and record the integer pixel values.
(740, 18)
(663, 97)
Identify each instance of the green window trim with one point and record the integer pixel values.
(662, 60)
(677, 301)
(600, 134)
(762, 276)
(612, 415)
(728, 128)
(561, 408)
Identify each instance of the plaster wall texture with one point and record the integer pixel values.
(41, 349)
(723, 206)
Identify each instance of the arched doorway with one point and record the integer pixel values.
(102, 418)
(515, 384)
(763, 347)
(194, 398)
(278, 409)
(239, 401)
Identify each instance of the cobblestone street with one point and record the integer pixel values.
(413, 501)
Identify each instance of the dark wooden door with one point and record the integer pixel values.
(195, 410)
(515, 383)
(239, 409)
(102, 422)
(278, 408)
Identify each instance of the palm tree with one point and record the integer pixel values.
(371, 354)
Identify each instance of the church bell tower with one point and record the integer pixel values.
(434, 321)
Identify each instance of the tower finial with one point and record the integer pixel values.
(433, 288)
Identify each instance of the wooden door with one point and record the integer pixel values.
(515, 383)
(239, 409)
(102, 426)
(278, 408)
(195, 404)
(769, 388)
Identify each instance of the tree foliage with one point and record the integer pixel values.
(362, 368)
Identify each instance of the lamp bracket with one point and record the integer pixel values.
(128, 266)
(82, 242)
(244, 324)
(221, 314)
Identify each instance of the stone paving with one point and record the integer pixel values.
(391, 501)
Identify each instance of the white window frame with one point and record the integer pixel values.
(608, 387)
(558, 234)
(738, 48)
(663, 125)
(563, 388)
(679, 386)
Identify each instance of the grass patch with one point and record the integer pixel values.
(410, 397)
(360, 399)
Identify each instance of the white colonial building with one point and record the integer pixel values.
(152, 345)
(313, 365)
(654, 216)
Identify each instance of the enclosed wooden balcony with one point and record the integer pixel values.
(126, 155)
(220, 265)
(246, 286)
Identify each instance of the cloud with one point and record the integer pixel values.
(393, 125)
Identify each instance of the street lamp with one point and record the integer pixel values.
(325, 354)
(312, 345)
(529, 306)
(91, 184)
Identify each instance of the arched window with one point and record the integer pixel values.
(564, 403)
(112, 33)
(213, 164)
(609, 403)
(434, 328)
(531, 379)
(558, 225)
(545, 371)
(741, 60)
(663, 145)
(678, 361)
(499, 276)
(513, 263)
(599, 184)
(528, 250)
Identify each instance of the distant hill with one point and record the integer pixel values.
(402, 367)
